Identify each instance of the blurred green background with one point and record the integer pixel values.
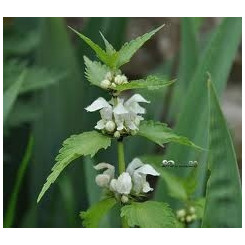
(46, 91)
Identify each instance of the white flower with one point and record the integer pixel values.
(138, 171)
(103, 180)
(181, 213)
(122, 185)
(125, 115)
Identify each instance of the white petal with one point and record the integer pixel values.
(138, 181)
(100, 124)
(136, 98)
(102, 180)
(146, 187)
(113, 185)
(124, 184)
(106, 113)
(120, 109)
(133, 165)
(103, 165)
(119, 120)
(97, 105)
(147, 169)
(135, 108)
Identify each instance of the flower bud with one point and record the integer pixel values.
(192, 210)
(188, 218)
(105, 83)
(110, 126)
(109, 76)
(117, 134)
(113, 85)
(124, 79)
(124, 199)
(181, 213)
(118, 79)
(194, 217)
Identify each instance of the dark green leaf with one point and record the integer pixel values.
(149, 214)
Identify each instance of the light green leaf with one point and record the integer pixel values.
(92, 217)
(129, 49)
(151, 83)
(108, 59)
(149, 214)
(161, 134)
(223, 194)
(109, 48)
(88, 143)
(10, 95)
(95, 72)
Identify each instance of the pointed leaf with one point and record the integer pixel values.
(129, 49)
(88, 143)
(151, 83)
(161, 134)
(149, 214)
(223, 194)
(92, 217)
(102, 55)
(109, 48)
(95, 72)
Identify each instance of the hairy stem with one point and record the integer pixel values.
(121, 161)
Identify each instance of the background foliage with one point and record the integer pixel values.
(45, 92)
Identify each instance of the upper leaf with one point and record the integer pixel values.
(160, 133)
(92, 217)
(95, 72)
(111, 57)
(129, 49)
(151, 83)
(107, 58)
(88, 143)
(149, 214)
(223, 206)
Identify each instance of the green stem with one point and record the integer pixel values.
(121, 168)
(121, 161)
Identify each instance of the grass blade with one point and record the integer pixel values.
(224, 195)
(10, 214)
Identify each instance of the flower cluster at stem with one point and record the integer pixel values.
(119, 117)
(132, 182)
(187, 215)
(112, 79)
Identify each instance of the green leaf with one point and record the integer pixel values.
(223, 194)
(92, 217)
(161, 134)
(129, 49)
(95, 72)
(109, 48)
(88, 143)
(10, 213)
(108, 59)
(149, 214)
(151, 83)
(36, 77)
(10, 95)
